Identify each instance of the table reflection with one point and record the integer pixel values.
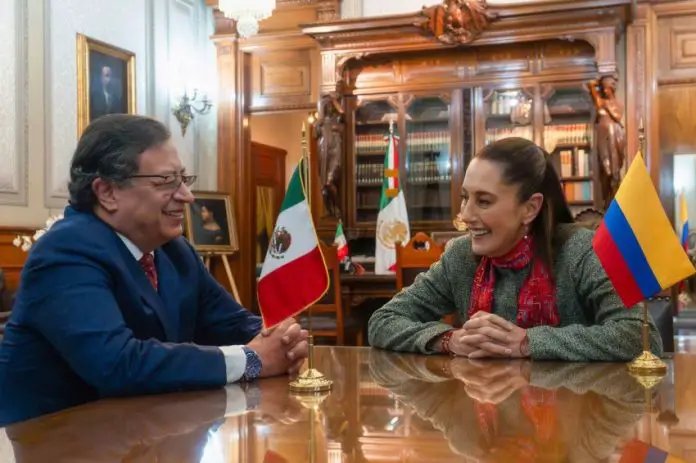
(384, 407)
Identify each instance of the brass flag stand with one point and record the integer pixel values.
(647, 368)
(310, 381)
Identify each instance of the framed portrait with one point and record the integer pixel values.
(210, 224)
(105, 81)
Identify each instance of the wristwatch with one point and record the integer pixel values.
(253, 364)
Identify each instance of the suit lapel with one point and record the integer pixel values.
(169, 291)
(148, 293)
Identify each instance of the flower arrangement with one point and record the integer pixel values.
(25, 242)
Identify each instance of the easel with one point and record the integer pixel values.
(207, 256)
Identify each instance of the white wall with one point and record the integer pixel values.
(685, 180)
(13, 95)
(38, 88)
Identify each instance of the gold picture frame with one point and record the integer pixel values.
(210, 224)
(104, 67)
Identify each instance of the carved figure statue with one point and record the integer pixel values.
(329, 131)
(458, 21)
(609, 137)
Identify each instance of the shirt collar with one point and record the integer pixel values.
(134, 250)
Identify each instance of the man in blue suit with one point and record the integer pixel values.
(114, 301)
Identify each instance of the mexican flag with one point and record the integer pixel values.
(392, 220)
(341, 242)
(294, 275)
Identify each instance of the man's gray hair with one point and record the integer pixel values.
(109, 148)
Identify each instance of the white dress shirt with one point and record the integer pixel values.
(235, 359)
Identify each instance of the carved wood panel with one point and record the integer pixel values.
(445, 69)
(284, 80)
(678, 35)
(677, 124)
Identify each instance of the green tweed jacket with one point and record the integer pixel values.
(595, 325)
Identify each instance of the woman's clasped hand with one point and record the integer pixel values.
(488, 335)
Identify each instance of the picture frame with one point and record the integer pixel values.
(210, 224)
(105, 81)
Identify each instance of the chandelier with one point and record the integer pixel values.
(247, 13)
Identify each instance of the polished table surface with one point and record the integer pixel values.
(385, 407)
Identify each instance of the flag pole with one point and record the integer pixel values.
(647, 367)
(311, 380)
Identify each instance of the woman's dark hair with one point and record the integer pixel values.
(529, 166)
(109, 148)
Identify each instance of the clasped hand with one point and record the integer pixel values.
(282, 349)
(491, 382)
(488, 335)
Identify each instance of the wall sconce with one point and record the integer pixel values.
(184, 110)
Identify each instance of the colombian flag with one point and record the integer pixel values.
(636, 243)
(639, 452)
(683, 220)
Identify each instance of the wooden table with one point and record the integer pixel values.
(384, 407)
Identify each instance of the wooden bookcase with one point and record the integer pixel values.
(513, 72)
(441, 129)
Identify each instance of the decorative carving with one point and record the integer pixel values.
(609, 137)
(329, 131)
(458, 21)
(328, 10)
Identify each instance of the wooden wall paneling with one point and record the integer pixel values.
(676, 32)
(285, 79)
(270, 169)
(235, 166)
(677, 120)
(12, 258)
(556, 60)
(640, 104)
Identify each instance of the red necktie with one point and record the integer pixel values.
(147, 262)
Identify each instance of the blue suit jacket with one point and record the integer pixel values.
(87, 323)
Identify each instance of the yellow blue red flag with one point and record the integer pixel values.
(637, 451)
(636, 243)
(683, 221)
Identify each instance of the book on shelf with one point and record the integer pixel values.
(578, 191)
(430, 141)
(525, 131)
(574, 164)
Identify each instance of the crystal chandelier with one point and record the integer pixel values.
(247, 13)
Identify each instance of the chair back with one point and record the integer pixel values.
(330, 319)
(661, 310)
(415, 257)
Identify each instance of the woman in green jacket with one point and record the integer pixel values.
(525, 281)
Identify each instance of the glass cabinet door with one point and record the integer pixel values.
(509, 113)
(567, 137)
(428, 162)
(372, 119)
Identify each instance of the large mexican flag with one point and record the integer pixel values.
(392, 221)
(294, 275)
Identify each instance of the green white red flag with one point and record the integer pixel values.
(392, 221)
(341, 242)
(294, 274)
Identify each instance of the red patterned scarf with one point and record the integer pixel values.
(536, 304)
(545, 444)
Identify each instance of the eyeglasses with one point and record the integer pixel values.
(170, 181)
